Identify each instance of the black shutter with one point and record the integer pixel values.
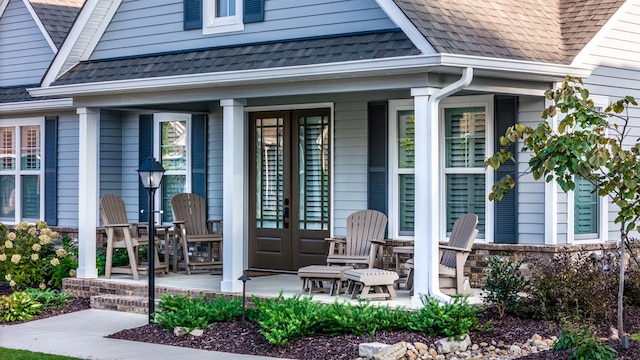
(50, 170)
(253, 11)
(506, 210)
(377, 193)
(192, 14)
(145, 149)
(199, 155)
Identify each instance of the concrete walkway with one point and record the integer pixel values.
(81, 335)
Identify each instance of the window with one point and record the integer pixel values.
(21, 170)
(464, 124)
(223, 16)
(173, 152)
(465, 150)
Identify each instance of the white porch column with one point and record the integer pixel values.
(88, 191)
(427, 185)
(233, 198)
(551, 201)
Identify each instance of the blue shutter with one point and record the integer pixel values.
(192, 14)
(506, 210)
(199, 155)
(585, 207)
(145, 149)
(253, 11)
(50, 170)
(377, 157)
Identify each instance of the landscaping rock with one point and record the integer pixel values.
(393, 352)
(368, 350)
(450, 345)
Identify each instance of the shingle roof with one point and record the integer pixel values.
(57, 16)
(534, 30)
(255, 56)
(16, 94)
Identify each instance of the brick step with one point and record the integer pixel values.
(124, 303)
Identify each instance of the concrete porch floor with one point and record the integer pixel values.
(262, 286)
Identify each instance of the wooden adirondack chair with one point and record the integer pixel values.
(124, 235)
(363, 243)
(454, 255)
(191, 227)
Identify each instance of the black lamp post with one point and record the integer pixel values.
(244, 279)
(151, 172)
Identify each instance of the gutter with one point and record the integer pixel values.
(515, 69)
(37, 105)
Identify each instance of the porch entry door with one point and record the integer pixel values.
(289, 191)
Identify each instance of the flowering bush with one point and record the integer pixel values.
(28, 258)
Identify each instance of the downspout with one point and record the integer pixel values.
(433, 113)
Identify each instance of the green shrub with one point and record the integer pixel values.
(18, 306)
(453, 319)
(28, 256)
(49, 298)
(282, 320)
(362, 318)
(120, 258)
(191, 313)
(68, 257)
(574, 288)
(504, 285)
(584, 344)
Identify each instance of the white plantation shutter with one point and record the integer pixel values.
(313, 133)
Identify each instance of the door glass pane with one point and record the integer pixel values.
(7, 148)
(172, 185)
(30, 196)
(174, 145)
(7, 197)
(313, 165)
(406, 206)
(465, 194)
(269, 173)
(465, 137)
(585, 207)
(30, 148)
(406, 136)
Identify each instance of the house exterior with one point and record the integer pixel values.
(288, 116)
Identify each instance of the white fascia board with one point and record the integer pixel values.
(43, 30)
(604, 30)
(515, 68)
(3, 6)
(400, 19)
(38, 105)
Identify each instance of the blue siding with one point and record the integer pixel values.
(130, 165)
(68, 127)
(25, 53)
(214, 165)
(110, 153)
(143, 27)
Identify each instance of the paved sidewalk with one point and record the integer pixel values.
(81, 334)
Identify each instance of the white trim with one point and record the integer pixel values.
(72, 49)
(43, 30)
(372, 67)
(302, 106)
(3, 6)
(39, 105)
(485, 101)
(398, 17)
(217, 25)
(551, 199)
(602, 33)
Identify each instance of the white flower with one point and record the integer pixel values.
(11, 236)
(42, 286)
(8, 244)
(55, 262)
(36, 247)
(15, 258)
(12, 283)
(72, 273)
(32, 231)
(7, 277)
(3, 257)
(35, 257)
(44, 239)
(61, 252)
(22, 225)
(41, 224)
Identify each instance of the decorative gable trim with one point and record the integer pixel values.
(397, 16)
(3, 6)
(602, 33)
(43, 30)
(83, 38)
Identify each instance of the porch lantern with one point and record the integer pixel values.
(151, 172)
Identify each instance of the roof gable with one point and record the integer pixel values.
(57, 16)
(533, 30)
